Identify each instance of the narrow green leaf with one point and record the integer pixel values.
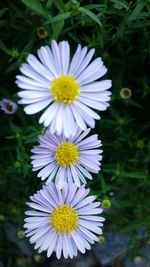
(57, 29)
(94, 6)
(120, 4)
(60, 5)
(49, 4)
(30, 43)
(134, 175)
(36, 6)
(3, 10)
(136, 12)
(13, 67)
(90, 14)
(2, 22)
(120, 30)
(60, 17)
(3, 47)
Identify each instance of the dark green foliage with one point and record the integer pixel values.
(119, 30)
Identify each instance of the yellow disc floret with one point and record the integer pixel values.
(64, 89)
(64, 218)
(66, 154)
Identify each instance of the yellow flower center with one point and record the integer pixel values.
(64, 218)
(66, 154)
(64, 89)
(9, 107)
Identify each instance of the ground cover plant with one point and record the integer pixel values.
(119, 31)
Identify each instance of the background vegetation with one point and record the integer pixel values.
(119, 30)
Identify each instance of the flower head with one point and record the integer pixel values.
(20, 234)
(8, 106)
(42, 32)
(67, 159)
(125, 93)
(64, 220)
(106, 204)
(67, 88)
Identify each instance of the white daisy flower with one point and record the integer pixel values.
(63, 221)
(67, 159)
(66, 87)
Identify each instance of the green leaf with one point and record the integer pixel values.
(2, 22)
(119, 4)
(3, 47)
(13, 67)
(134, 175)
(36, 6)
(57, 29)
(49, 4)
(60, 17)
(94, 6)
(136, 12)
(90, 14)
(30, 43)
(60, 5)
(3, 10)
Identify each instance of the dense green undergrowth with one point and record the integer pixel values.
(120, 33)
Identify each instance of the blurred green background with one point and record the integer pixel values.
(119, 30)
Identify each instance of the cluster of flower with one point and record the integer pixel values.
(63, 217)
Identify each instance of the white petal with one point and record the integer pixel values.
(52, 175)
(80, 60)
(85, 201)
(28, 82)
(52, 245)
(93, 104)
(45, 172)
(85, 62)
(70, 246)
(36, 107)
(71, 192)
(35, 213)
(39, 233)
(69, 176)
(78, 118)
(75, 59)
(59, 246)
(37, 219)
(60, 177)
(65, 246)
(28, 94)
(69, 127)
(38, 67)
(84, 172)
(46, 58)
(90, 226)
(59, 119)
(86, 109)
(97, 96)
(95, 70)
(96, 86)
(48, 115)
(29, 72)
(81, 193)
(78, 242)
(56, 56)
(65, 56)
(33, 87)
(89, 233)
(75, 175)
(38, 207)
(50, 239)
(40, 241)
(26, 101)
(85, 133)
